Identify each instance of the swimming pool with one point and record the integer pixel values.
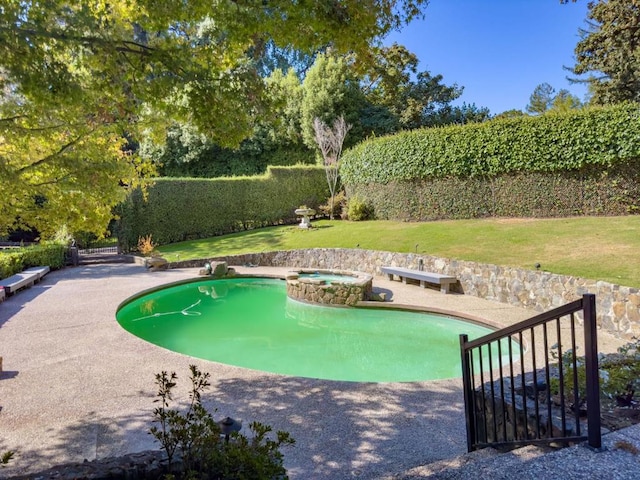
(251, 323)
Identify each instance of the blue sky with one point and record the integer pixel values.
(498, 50)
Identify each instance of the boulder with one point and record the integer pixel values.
(157, 263)
(218, 269)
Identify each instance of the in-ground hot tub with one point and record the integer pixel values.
(329, 287)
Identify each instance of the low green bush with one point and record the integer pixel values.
(13, 261)
(359, 209)
(619, 375)
(196, 438)
(339, 205)
(52, 255)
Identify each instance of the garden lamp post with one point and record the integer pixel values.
(227, 426)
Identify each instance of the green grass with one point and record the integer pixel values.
(599, 248)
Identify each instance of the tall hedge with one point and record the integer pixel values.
(176, 209)
(615, 191)
(581, 162)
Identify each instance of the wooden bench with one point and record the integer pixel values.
(12, 284)
(424, 277)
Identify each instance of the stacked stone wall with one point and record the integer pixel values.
(617, 307)
(347, 293)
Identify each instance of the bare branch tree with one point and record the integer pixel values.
(330, 141)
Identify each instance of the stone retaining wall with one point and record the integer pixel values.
(618, 307)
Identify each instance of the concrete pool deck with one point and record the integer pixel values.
(77, 386)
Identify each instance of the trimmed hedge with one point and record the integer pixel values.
(13, 261)
(177, 209)
(583, 162)
(549, 143)
(592, 191)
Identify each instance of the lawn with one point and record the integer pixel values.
(600, 248)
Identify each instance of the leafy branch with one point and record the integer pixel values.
(54, 155)
(122, 46)
(197, 438)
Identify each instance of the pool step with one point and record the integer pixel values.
(479, 464)
(102, 258)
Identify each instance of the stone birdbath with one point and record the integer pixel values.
(305, 213)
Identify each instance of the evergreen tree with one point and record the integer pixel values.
(609, 51)
(541, 99)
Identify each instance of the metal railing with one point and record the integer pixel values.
(528, 383)
(99, 250)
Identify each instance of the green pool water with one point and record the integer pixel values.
(250, 322)
(327, 277)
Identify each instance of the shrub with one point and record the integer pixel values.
(52, 255)
(146, 245)
(197, 438)
(15, 260)
(570, 141)
(11, 262)
(359, 209)
(619, 375)
(339, 205)
(584, 162)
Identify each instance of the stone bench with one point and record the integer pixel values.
(40, 271)
(423, 277)
(15, 282)
(27, 278)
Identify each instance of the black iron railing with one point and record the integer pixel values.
(535, 382)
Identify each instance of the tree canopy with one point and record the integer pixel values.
(330, 90)
(381, 96)
(541, 99)
(564, 101)
(79, 78)
(608, 53)
(545, 99)
(413, 99)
